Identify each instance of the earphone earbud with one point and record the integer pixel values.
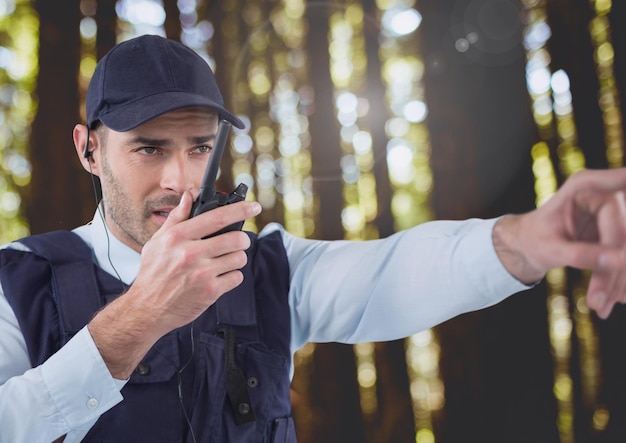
(86, 152)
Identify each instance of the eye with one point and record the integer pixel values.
(148, 150)
(204, 149)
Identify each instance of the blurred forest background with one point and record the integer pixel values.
(364, 118)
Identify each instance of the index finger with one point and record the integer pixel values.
(602, 179)
(219, 218)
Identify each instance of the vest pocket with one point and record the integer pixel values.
(266, 379)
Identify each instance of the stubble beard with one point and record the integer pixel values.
(133, 222)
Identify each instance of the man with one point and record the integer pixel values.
(140, 326)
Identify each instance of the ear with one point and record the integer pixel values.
(85, 143)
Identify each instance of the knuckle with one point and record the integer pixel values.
(172, 238)
(219, 216)
(188, 256)
(211, 287)
(185, 256)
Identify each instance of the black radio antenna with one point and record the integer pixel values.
(207, 189)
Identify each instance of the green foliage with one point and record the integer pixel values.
(19, 37)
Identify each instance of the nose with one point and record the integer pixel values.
(176, 174)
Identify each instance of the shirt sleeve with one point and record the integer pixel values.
(63, 396)
(347, 291)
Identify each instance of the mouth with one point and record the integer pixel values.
(161, 215)
(158, 208)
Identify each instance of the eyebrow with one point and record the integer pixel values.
(141, 140)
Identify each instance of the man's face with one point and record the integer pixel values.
(144, 171)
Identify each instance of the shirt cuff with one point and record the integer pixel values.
(79, 382)
(490, 277)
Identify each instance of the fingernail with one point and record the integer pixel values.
(182, 198)
(605, 311)
(256, 208)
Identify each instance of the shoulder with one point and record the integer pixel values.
(50, 245)
(268, 243)
(272, 229)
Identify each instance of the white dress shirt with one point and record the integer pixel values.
(341, 291)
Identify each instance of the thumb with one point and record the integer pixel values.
(180, 212)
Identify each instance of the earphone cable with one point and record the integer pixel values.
(193, 346)
(106, 229)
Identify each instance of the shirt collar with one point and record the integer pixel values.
(110, 254)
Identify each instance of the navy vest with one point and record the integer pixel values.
(223, 378)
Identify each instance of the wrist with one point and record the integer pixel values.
(512, 249)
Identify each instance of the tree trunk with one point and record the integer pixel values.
(61, 195)
(106, 20)
(572, 51)
(172, 25)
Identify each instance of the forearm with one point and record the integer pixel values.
(414, 280)
(123, 333)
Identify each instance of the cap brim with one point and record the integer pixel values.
(139, 112)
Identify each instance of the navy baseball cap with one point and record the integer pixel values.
(147, 76)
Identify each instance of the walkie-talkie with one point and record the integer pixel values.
(209, 198)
